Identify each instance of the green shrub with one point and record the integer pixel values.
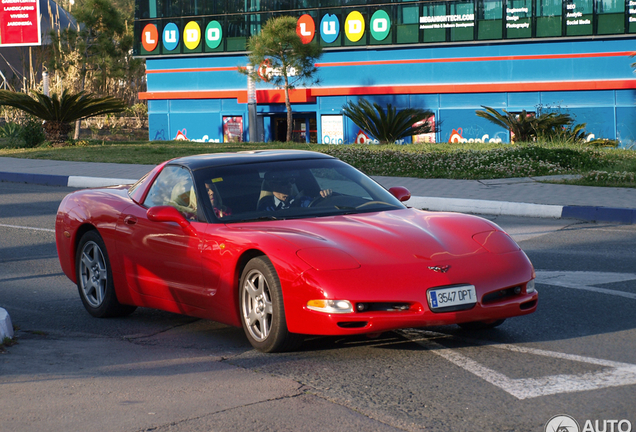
(513, 161)
(32, 133)
(10, 130)
(390, 126)
(26, 134)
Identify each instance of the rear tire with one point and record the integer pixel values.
(481, 325)
(95, 279)
(262, 309)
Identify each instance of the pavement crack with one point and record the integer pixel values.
(136, 337)
(167, 426)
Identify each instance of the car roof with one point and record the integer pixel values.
(244, 157)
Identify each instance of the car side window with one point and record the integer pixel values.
(174, 187)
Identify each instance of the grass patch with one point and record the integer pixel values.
(7, 342)
(598, 166)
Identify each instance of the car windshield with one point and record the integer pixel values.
(288, 189)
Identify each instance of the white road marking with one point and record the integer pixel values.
(615, 374)
(584, 280)
(27, 228)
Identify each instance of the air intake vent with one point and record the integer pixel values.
(383, 307)
(499, 295)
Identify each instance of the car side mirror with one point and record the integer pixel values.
(401, 193)
(169, 214)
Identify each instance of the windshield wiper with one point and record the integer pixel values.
(260, 218)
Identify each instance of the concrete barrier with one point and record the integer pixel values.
(6, 328)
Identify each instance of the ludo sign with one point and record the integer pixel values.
(330, 28)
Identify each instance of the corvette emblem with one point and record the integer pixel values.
(439, 269)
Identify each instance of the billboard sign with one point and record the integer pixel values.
(20, 23)
(233, 129)
(332, 129)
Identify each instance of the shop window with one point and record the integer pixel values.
(408, 23)
(170, 8)
(272, 5)
(489, 21)
(242, 6)
(238, 30)
(145, 9)
(190, 7)
(209, 7)
(518, 19)
(432, 26)
(462, 23)
(330, 3)
(610, 16)
(578, 17)
(235, 6)
(631, 16)
(549, 18)
(338, 3)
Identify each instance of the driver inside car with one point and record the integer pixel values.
(282, 196)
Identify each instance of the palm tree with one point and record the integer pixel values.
(279, 48)
(59, 112)
(391, 126)
(526, 127)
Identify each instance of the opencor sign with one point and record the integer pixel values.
(329, 29)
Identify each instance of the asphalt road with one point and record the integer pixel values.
(164, 372)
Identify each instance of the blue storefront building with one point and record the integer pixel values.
(450, 57)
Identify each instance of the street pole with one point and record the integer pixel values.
(251, 106)
(45, 83)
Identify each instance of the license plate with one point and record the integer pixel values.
(452, 298)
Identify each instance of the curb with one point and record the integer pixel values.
(487, 207)
(497, 208)
(62, 180)
(505, 208)
(6, 328)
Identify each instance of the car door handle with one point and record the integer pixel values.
(130, 220)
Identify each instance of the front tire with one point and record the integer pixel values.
(262, 308)
(95, 279)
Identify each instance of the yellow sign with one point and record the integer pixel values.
(354, 26)
(192, 35)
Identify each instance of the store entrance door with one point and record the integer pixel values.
(304, 128)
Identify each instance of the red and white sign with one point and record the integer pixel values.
(306, 28)
(264, 70)
(181, 136)
(20, 23)
(362, 138)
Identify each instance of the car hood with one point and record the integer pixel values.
(399, 236)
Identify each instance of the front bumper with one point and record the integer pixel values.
(501, 294)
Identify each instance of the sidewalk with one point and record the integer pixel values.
(515, 197)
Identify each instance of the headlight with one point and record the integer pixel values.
(330, 306)
(530, 287)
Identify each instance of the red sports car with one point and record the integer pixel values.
(286, 244)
